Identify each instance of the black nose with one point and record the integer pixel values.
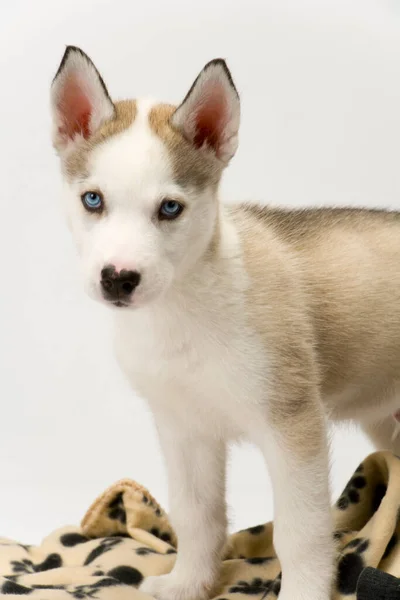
(118, 285)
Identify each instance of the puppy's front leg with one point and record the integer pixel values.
(295, 448)
(196, 480)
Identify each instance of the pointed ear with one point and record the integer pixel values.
(79, 99)
(209, 115)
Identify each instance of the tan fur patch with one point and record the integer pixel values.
(325, 298)
(275, 305)
(347, 256)
(75, 165)
(192, 166)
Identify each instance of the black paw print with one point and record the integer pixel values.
(145, 551)
(116, 509)
(12, 587)
(157, 510)
(22, 566)
(256, 530)
(90, 590)
(259, 560)
(351, 493)
(73, 539)
(350, 566)
(391, 545)
(26, 566)
(105, 545)
(378, 495)
(86, 591)
(165, 537)
(359, 545)
(147, 500)
(251, 588)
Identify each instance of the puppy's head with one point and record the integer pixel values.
(140, 177)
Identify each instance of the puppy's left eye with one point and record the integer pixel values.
(169, 209)
(92, 201)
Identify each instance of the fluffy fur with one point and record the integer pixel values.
(248, 322)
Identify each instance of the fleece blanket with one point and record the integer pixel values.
(126, 536)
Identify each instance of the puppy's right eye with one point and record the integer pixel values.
(169, 210)
(93, 201)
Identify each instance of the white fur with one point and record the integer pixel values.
(134, 173)
(202, 368)
(187, 346)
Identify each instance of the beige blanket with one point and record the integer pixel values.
(126, 536)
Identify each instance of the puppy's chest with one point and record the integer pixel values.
(209, 366)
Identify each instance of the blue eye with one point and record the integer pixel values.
(92, 201)
(170, 209)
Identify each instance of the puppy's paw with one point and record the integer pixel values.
(170, 587)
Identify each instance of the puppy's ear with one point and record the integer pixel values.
(209, 116)
(79, 99)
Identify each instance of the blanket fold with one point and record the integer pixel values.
(126, 536)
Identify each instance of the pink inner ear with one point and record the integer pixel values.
(211, 119)
(75, 109)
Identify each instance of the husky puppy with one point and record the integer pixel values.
(233, 322)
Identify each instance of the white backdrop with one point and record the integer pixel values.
(320, 87)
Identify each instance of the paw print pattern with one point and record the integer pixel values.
(26, 566)
(23, 566)
(257, 530)
(105, 545)
(165, 537)
(350, 566)
(121, 575)
(145, 551)
(257, 586)
(259, 560)
(90, 590)
(85, 591)
(72, 539)
(12, 587)
(126, 575)
(116, 509)
(157, 510)
(391, 545)
(351, 493)
(378, 495)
